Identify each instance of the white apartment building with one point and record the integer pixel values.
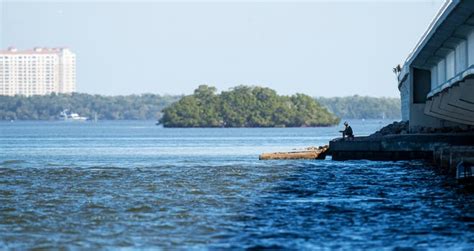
(39, 71)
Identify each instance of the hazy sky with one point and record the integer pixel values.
(321, 48)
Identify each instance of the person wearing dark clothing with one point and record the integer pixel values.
(347, 132)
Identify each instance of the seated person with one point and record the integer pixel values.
(347, 131)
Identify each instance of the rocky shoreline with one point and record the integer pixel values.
(401, 127)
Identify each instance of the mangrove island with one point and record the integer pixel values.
(246, 106)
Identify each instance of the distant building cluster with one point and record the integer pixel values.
(39, 71)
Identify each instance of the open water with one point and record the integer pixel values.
(134, 185)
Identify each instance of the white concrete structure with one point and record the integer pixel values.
(39, 71)
(437, 80)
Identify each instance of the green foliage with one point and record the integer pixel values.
(245, 106)
(242, 106)
(133, 107)
(359, 107)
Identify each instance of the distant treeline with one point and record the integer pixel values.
(133, 107)
(245, 106)
(362, 107)
(149, 107)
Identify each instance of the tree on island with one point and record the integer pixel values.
(245, 106)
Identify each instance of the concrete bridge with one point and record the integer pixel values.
(436, 84)
(436, 81)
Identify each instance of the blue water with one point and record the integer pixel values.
(135, 185)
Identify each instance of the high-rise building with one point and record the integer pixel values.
(39, 71)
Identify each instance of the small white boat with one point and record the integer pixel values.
(65, 115)
(75, 116)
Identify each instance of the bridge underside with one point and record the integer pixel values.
(455, 103)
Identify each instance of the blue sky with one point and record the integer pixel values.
(321, 48)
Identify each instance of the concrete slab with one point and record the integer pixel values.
(434, 108)
(396, 147)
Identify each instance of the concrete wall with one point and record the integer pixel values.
(418, 118)
(470, 49)
(405, 99)
(456, 61)
(396, 147)
(434, 77)
(419, 81)
(450, 65)
(441, 72)
(461, 57)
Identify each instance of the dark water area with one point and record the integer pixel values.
(134, 185)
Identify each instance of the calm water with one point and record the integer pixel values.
(136, 185)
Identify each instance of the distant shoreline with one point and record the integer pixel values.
(151, 121)
(149, 106)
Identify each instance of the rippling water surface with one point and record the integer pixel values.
(136, 185)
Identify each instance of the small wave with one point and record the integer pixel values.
(266, 247)
(140, 209)
(103, 168)
(329, 200)
(13, 161)
(53, 164)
